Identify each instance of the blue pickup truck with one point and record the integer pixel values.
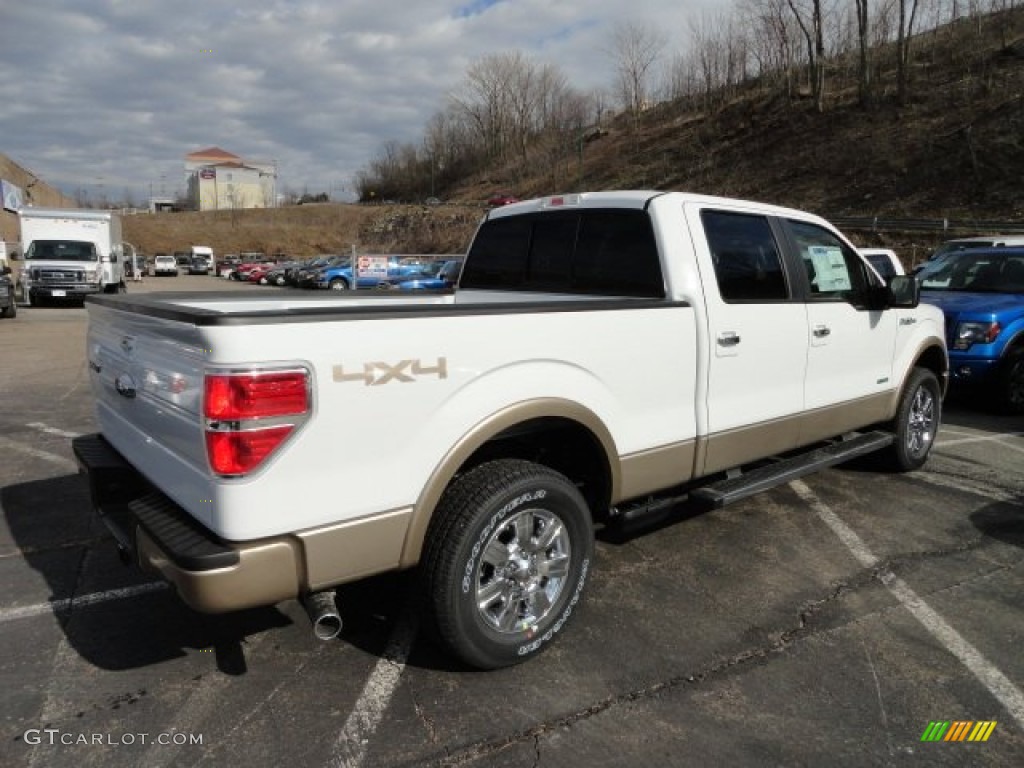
(981, 293)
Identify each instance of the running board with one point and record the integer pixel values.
(747, 484)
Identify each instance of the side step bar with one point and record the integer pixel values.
(732, 489)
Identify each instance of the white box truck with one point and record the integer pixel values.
(69, 253)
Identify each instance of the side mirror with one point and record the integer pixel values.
(904, 291)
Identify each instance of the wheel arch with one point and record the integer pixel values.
(559, 434)
(934, 358)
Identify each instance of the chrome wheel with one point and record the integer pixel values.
(921, 424)
(917, 421)
(505, 561)
(522, 571)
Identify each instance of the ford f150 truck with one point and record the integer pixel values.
(605, 355)
(981, 292)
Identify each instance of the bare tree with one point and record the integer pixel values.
(908, 13)
(809, 18)
(864, 84)
(635, 49)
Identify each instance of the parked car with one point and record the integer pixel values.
(258, 274)
(443, 276)
(227, 266)
(499, 199)
(479, 437)
(309, 276)
(949, 247)
(164, 264)
(183, 258)
(8, 307)
(199, 265)
(243, 270)
(981, 293)
(884, 260)
(338, 277)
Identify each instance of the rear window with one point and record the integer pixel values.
(748, 266)
(600, 252)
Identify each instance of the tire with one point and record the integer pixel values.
(1011, 383)
(505, 562)
(11, 310)
(917, 421)
(338, 284)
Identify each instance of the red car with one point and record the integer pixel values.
(499, 199)
(258, 274)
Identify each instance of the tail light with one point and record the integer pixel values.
(250, 415)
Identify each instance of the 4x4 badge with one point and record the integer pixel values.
(375, 374)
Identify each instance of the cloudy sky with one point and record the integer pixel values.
(108, 96)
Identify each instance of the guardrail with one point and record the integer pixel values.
(881, 224)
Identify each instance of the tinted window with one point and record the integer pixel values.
(747, 262)
(617, 255)
(550, 263)
(594, 252)
(498, 256)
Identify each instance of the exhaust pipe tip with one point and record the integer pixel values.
(323, 614)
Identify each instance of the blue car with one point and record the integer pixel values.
(981, 293)
(443, 276)
(338, 277)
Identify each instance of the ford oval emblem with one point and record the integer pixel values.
(125, 385)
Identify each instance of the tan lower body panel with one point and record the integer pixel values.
(354, 549)
(278, 569)
(265, 574)
(656, 469)
(726, 450)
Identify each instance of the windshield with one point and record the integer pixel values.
(982, 271)
(61, 250)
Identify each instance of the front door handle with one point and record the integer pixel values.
(729, 339)
(821, 331)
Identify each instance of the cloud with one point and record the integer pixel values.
(115, 93)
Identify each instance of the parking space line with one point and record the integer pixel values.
(1000, 686)
(979, 439)
(53, 458)
(974, 488)
(81, 601)
(353, 742)
(38, 425)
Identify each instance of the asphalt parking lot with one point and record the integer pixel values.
(827, 622)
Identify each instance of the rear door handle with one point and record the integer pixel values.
(821, 331)
(729, 339)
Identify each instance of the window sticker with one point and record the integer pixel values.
(830, 273)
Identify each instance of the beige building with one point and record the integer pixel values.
(221, 181)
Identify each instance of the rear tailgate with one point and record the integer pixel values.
(147, 377)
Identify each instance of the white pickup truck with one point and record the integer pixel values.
(605, 355)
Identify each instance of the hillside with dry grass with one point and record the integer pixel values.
(306, 230)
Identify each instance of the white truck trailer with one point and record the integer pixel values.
(69, 253)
